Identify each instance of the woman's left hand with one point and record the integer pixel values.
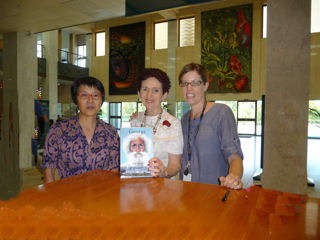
(156, 167)
(231, 181)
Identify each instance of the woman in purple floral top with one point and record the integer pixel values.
(84, 142)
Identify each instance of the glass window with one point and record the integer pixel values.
(100, 43)
(104, 112)
(39, 46)
(246, 117)
(186, 32)
(246, 110)
(115, 114)
(264, 21)
(65, 55)
(128, 108)
(39, 49)
(259, 118)
(161, 35)
(246, 127)
(315, 16)
(314, 119)
(181, 109)
(81, 57)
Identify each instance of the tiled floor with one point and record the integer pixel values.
(251, 148)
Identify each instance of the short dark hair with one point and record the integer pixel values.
(88, 81)
(194, 67)
(160, 75)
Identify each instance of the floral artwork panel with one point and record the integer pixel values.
(126, 58)
(226, 48)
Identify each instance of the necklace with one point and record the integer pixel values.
(189, 150)
(155, 126)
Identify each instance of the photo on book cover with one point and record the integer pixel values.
(136, 150)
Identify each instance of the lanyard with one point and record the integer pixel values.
(189, 150)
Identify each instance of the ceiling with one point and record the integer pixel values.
(136, 7)
(44, 15)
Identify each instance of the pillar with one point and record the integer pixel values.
(171, 66)
(287, 93)
(50, 42)
(19, 85)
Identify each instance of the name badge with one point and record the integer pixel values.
(187, 177)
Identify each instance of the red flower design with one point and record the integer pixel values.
(235, 64)
(240, 83)
(166, 123)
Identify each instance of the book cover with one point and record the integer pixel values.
(136, 149)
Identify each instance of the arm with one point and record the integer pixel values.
(49, 175)
(174, 165)
(236, 165)
(51, 154)
(233, 179)
(232, 151)
(158, 169)
(114, 155)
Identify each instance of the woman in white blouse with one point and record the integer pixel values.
(153, 88)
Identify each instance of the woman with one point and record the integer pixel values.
(212, 151)
(84, 142)
(153, 88)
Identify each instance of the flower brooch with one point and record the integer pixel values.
(166, 123)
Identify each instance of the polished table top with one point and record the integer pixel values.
(100, 205)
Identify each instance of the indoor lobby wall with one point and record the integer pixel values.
(183, 55)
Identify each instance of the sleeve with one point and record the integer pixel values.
(114, 156)
(136, 122)
(51, 151)
(176, 142)
(230, 142)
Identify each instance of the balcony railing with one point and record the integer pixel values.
(72, 58)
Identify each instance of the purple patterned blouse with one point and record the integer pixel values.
(68, 150)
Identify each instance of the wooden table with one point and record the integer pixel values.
(100, 205)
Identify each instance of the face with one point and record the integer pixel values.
(137, 145)
(151, 94)
(193, 94)
(89, 100)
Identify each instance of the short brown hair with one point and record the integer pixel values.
(160, 75)
(194, 67)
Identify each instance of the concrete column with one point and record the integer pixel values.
(50, 42)
(171, 66)
(287, 92)
(20, 83)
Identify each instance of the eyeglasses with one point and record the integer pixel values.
(193, 83)
(86, 96)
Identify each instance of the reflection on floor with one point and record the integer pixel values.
(251, 149)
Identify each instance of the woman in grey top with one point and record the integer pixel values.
(212, 151)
